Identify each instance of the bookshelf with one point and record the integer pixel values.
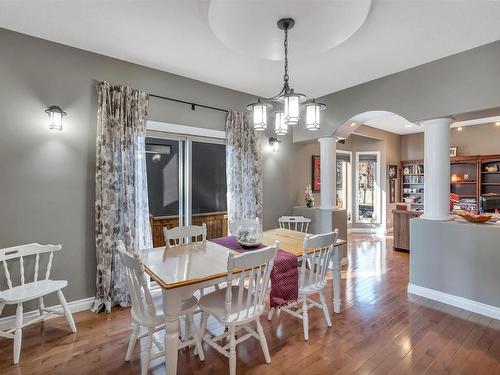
(412, 183)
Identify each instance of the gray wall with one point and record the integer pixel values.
(460, 83)
(47, 178)
(456, 258)
(472, 140)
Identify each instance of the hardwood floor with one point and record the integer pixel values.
(381, 330)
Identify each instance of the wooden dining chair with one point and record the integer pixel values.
(238, 306)
(182, 235)
(31, 290)
(318, 252)
(147, 312)
(233, 226)
(297, 223)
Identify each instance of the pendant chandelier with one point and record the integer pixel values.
(287, 103)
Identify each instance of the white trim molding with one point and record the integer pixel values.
(460, 302)
(185, 130)
(75, 306)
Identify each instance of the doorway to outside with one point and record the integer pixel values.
(367, 185)
(186, 184)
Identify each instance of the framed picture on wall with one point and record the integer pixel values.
(392, 191)
(453, 151)
(315, 176)
(392, 172)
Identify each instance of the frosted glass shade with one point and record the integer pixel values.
(280, 127)
(55, 117)
(291, 109)
(260, 116)
(312, 116)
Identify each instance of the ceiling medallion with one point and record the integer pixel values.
(287, 102)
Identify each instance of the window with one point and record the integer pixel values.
(367, 187)
(343, 179)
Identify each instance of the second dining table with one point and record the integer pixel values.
(184, 269)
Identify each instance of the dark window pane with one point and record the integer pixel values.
(162, 162)
(208, 178)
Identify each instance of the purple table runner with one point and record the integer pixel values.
(284, 276)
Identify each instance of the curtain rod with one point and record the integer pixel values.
(193, 105)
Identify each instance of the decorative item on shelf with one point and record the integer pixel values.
(315, 176)
(453, 151)
(406, 170)
(55, 117)
(249, 235)
(287, 99)
(309, 197)
(455, 178)
(454, 202)
(392, 171)
(466, 177)
(492, 168)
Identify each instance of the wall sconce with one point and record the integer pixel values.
(55, 117)
(274, 143)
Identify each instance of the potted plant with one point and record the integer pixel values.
(309, 198)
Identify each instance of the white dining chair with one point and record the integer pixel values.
(233, 226)
(239, 305)
(318, 252)
(297, 223)
(147, 312)
(182, 235)
(31, 290)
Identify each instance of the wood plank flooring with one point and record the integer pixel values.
(381, 330)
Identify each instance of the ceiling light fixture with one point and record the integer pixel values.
(408, 125)
(460, 129)
(497, 123)
(353, 124)
(287, 101)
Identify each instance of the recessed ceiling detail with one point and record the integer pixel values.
(249, 27)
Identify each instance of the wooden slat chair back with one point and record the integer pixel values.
(143, 308)
(233, 226)
(34, 283)
(318, 252)
(144, 312)
(252, 283)
(21, 253)
(180, 235)
(297, 223)
(241, 303)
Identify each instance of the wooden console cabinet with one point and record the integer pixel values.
(401, 224)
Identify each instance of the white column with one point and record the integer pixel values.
(328, 171)
(437, 169)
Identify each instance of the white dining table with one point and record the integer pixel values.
(182, 270)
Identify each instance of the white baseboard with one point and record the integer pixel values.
(74, 306)
(373, 230)
(460, 302)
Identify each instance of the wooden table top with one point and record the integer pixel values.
(202, 261)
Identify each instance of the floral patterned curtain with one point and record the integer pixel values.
(243, 169)
(121, 206)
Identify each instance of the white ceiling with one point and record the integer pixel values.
(396, 124)
(198, 40)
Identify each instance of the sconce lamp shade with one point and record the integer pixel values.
(274, 143)
(55, 117)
